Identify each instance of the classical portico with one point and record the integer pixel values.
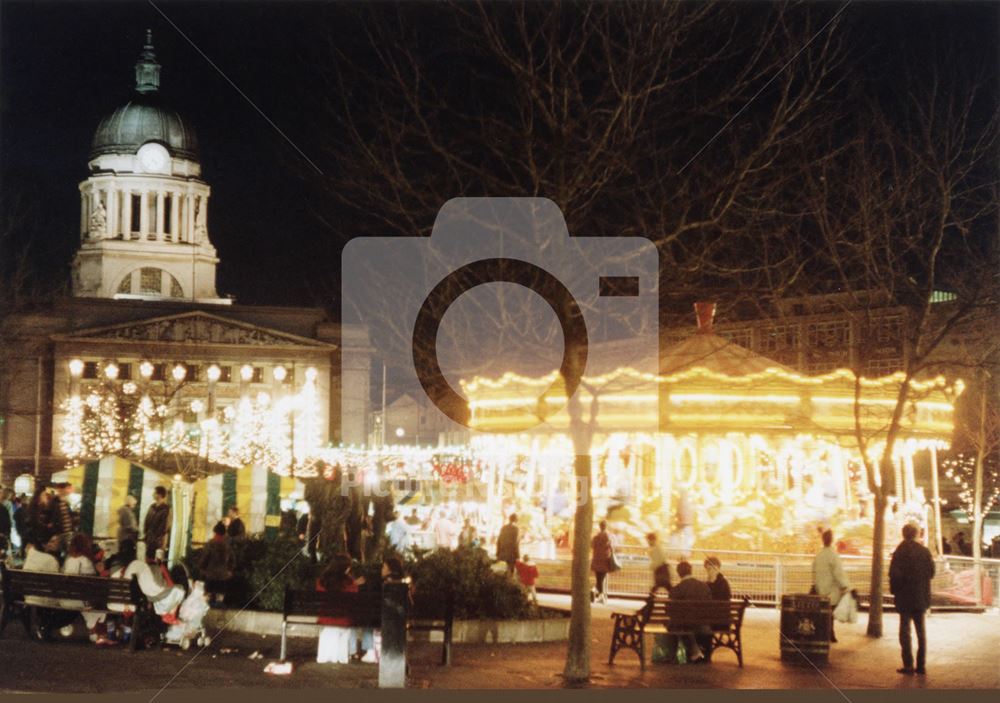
(144, 208)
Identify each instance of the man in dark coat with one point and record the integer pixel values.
(156, 526)
(699, 647)
(910, 574)
(235, 530)
(508, 544)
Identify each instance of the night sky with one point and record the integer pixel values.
(65, 65)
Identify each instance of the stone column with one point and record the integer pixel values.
(189, 218)
(112, 208)
(127, 214)
(143, 214)
(159, 215)
(84, 224)
(175, 219)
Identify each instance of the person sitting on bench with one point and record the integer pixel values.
(338, 642)
(699, 647)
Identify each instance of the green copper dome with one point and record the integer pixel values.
(144, 118)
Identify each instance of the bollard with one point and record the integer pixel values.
(392, 661)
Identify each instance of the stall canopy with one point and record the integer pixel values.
(103, 485)
(254, 490)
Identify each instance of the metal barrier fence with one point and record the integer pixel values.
(765, 577)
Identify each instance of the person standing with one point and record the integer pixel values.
(601, 550)
(508, 544)
(218, 565)
(910, 572)
(685, 523)
(235, 530)
(399, 534)
(717, 583)
(128, 523)
(658, 563)
(828, 575)
(6, 521)
(527, 573)
(156, 527)
(63, 514)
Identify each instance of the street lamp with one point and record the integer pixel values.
(280, 374)
(214, 373)
(146, 370)
(76, 368)
(246, 373)
(179, 373)
(111, 371)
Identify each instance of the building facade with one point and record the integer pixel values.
(144, 315)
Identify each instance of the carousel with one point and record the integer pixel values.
(759, 453)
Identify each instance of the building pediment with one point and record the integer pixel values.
(195, 328)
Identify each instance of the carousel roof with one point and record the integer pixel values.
(708, 383)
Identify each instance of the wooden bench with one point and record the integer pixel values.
(362, 609)
(443, 624)
(71, 593)
(660, 615)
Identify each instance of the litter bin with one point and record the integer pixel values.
(805, 629)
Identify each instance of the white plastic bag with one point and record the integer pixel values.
(847, 608)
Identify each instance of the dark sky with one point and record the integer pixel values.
(65, 65)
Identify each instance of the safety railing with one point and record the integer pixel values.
(764, 577)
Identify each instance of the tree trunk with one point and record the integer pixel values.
(878, 565)
(578, 653)
(977, 497)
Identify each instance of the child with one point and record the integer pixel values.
(527, 572)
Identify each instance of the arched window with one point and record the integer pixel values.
(151, 281)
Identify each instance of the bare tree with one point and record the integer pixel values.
(901, 215)
(621, 113)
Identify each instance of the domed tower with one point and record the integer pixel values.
(143, 210)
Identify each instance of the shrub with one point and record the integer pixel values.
(265, 568)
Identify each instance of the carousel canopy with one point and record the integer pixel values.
(709, 383)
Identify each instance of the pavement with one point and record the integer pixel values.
(962, 654)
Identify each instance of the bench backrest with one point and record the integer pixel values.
(96, 591)
(693, 613)
(363, 608)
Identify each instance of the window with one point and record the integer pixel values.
(90, 369)
(168, 208)
(258, 374)
(126, 285)
(192, 372)
(175, 288)
(136, 213)
(159, 372)
(124, 372)
(740, 337)
(150, 281)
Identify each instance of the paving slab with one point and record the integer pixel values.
(962, 654)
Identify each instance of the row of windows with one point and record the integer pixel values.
(92, 370)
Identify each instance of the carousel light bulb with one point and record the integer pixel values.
(146, 370)
(214, 373)
(311, 374)
(76, 368)
(179, 373)
(280, 373)
(111, 371)
(246, 372)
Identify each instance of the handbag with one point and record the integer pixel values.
(614, 565)
(847, 608)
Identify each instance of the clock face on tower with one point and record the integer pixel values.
(153, 158)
